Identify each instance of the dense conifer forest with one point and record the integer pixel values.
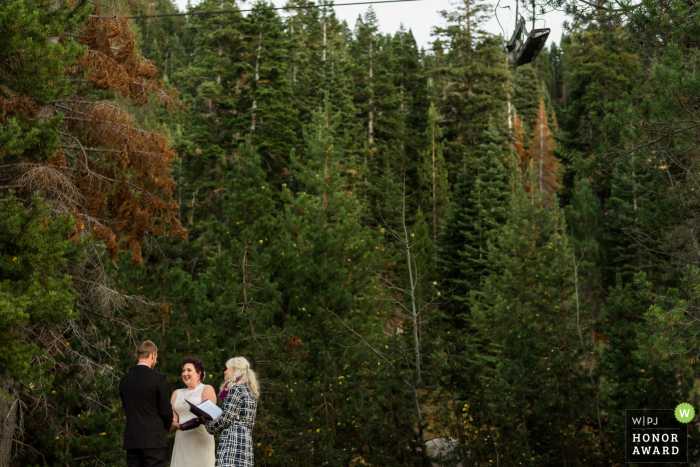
(414, 247)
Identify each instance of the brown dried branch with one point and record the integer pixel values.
(113, 177)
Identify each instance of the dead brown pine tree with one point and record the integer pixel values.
(542, 160)
(111, 175)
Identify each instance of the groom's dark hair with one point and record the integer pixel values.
(198, 366)
(145, 349)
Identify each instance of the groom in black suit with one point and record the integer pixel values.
(146, 401)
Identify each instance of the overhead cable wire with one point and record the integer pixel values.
(298, 7)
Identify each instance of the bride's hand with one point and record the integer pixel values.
(174, 426)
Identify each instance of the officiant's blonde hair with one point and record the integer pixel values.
(243, 369)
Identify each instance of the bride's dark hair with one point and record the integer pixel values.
(198, 366)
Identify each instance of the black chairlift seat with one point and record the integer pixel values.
(523, 46)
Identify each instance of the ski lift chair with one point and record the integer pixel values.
(523, 46)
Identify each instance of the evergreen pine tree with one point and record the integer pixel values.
(589, 75)
(413, 105)
(266, 108)
(480, 207)
(633, 379)
(531, 315)
(215, 123)
(36, 250)
(330, 300)
(479, 210)
(156, 56)
(176, 59)
(472, 82)
(378, 104)
(594, 73)
(365, 48)
(433, 174)
(238, 280)
(319, 63)
(557, 67)
(586, 227)
(154, 35)
(306, 31)
(544, 66)
(527, 96)
(635, 205)
(411, 85)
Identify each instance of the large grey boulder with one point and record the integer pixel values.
(442, 452)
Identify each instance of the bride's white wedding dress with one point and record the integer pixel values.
(193, 448)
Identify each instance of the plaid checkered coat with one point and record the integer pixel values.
(237, 420)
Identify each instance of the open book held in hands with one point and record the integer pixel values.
(206, 409)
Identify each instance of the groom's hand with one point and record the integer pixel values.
(174, 426)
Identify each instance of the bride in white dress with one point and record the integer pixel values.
(194, 447)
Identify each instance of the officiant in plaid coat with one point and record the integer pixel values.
(240, 394)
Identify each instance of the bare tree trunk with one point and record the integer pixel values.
(481, 229)
(294, 63)
(510, 120)
(333, 62)
(415, 318)
(532, 198)
(434, 194)
(371, 101)
(468, 16)
(401, 106)
(257, 78)
(245, 306)
(325, 39)
(412, 309)
(563, 92)
(634, 192)
(325, 171)
(583, 345)
(8, 419)
(541, 152)
(165, 65)
(66, 430)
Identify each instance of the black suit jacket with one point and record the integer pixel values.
(146, 401)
